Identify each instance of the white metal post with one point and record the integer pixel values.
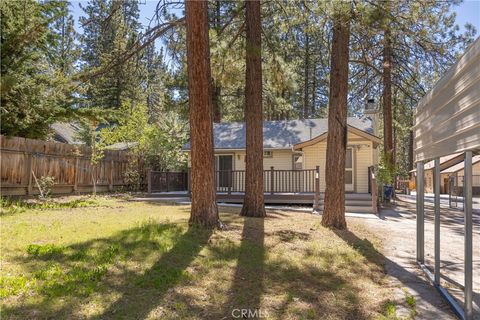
(467, 207)
(420, 213)
(437, 221)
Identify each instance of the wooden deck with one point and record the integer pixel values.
(354, 202)
(294, 187)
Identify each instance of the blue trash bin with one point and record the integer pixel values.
(387, 192)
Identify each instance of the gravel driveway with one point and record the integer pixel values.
(397, 228)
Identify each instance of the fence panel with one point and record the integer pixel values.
(168, 181)
(23, 161)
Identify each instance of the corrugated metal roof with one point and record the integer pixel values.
(448, 117)
(278, 134)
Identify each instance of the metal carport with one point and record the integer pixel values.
(447, 121)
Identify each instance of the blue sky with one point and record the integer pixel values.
(469, 11)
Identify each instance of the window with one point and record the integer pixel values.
(297, 161)
(349, 167)
(267, 154)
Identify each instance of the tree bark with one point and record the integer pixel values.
(204, 209)
(217, 113)
(387, 100)
(334, 209)
(253, 204)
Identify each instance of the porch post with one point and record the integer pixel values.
(189, 178)
(229, 182)
(437, 221)
(467, 207)
(420, 213)
(272, 182)
(316, 203)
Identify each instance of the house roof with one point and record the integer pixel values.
(282, 134)
(443, 160)
(461, 165)
(66, 132)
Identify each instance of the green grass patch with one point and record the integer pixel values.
(124, 260)
(46, 251)
(9, 206)
(389, 310)
(411, 302)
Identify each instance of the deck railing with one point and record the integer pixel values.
(373, 189)
(233, 181)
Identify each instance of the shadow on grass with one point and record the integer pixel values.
(248, 282)
(80, 270)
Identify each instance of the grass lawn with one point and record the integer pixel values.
(134, 260)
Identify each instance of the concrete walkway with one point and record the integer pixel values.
(397, 229)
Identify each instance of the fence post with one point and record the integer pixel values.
(149, 180)
(75, 175)
(110, 185)
(168, 181)
(272, 182)
(29, 173)
(316, 207)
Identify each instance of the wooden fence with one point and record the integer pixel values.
(23, 161)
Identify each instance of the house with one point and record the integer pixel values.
(69, 132)
(299, 145)
(66, 132)
(429, 167)
(456, 173)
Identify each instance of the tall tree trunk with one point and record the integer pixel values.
(306, 66)
(204, 207)
(253, 204)
(387, 100)
(334, 210)
(216, 88)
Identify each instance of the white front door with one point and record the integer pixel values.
(349, 171)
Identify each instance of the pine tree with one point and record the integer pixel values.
(334, 210)
(35, 86)
(111, 29)
(253, 203)
(204, 209)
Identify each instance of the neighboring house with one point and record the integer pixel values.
(457, 173)
(66, 132)
(445, 163)
(69, 133)
(300, 144)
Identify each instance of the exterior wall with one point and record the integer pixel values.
(280, 160)
(475, 170)
(363, 154)
(428, 176)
